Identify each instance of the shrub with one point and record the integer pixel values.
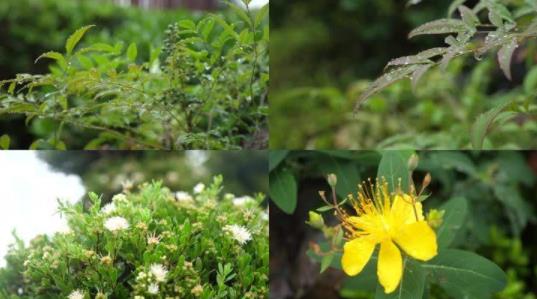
(148, 244)
(208, 90)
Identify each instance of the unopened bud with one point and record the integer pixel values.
(332, 180)
(413, 162)
(435, 218)
(426, 180)
(316, 220)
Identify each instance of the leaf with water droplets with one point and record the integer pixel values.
(500, 10)
(440, 26)
(420, 58)
(504, 56)
(454, 6)
(468, 16)
(418, 73)
(384, 81)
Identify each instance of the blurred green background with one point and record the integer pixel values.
(324, 54)
(104, 172)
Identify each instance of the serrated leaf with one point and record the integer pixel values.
(441, 26)
(464, 274)
(5, 141)
(384, 81)
(132, 52)
(483, 124)
(283, 190)
(454, 217)
(73, 40)
(504, 56)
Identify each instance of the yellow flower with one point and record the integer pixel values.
(393, 220)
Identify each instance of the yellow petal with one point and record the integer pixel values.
(418, 240)
(356, 253)
(390, 266)
(402, 211)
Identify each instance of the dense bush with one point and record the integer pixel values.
(207, 88)
(152, 243)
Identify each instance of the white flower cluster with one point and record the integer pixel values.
(76, 294)
(157, 274)
(183, 196)
(109, 208)
(242, 201)
(239, 233)
(115, 224)
(199, 188)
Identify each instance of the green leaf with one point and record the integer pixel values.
(261, 15)
(504, 56)
(276, 157)
(347, 175)
(394, 166)
(384, 81)
(453, 6)
(4, 142)
(53, 55)
(283, 190)
(11, 88)
(411, 286)
(132, 52)
(187, 24)
(240, 12)
(464, 274)
(530, 81)
(483, 125)
(326, 261)
(454, 217)
(468, 16)
(365, 280)
(441, 26)
(73, 40)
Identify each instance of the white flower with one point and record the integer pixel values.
(76, 294)
(265, 216)
(109, 208)
(153, 289)
(239, 233)
(243, 200)
(114, 224)
(119, 198)
(159, 271)
(182, 196)
(199, 188)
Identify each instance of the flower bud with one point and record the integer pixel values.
(316, 220)
(435, 218)
(413, 162)
(332, 180)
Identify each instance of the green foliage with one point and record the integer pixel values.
(207, 90)
(149, 243)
